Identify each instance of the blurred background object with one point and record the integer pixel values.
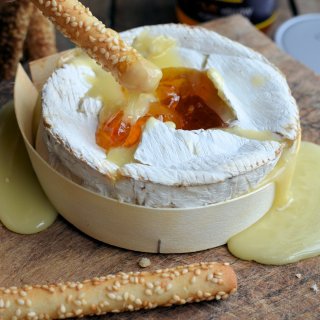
(23, 30)
(261, 13)
(300, 37)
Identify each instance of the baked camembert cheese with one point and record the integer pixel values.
(214, 129)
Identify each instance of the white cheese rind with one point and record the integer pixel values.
(174, 168)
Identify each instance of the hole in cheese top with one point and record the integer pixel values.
(186, 97)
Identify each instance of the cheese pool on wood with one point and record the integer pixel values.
(24, 207)
(292, 233)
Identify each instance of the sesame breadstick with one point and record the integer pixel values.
(104, 45)
(41, 39)
(14, 24)
(121, 292)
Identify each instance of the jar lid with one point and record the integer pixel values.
(300, 37)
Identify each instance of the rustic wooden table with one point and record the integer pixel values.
(63, 253)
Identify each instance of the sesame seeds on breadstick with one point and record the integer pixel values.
(121, 292)
(104, 45)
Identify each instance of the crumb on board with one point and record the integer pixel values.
(298, 275)
(144, 262)
(314, 288)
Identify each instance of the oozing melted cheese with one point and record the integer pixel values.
(288, 234)
(24, 208)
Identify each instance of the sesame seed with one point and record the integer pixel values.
(199, 293)
(18, 312)
(165, 275)
(149, 285)
(31, 314)
(92, 39)
(209, 276)
(130, 307)
(78, 312)
(143, 262)
(1, 303)
(77, 302)
(225, 296)
(111, 296)
(62, 309)
(28, 303)
(169, 286)
(126, 296)
(193, 280)
(47, 4)
(227, 263)
(138, 301)
(132, 297)
(176, 298)
(20, 302)
(197, 272)
(159, 290)
(74, 24)
(218, 297)
(207, 294)
(22, 293)
(184, 271)
(148, 292)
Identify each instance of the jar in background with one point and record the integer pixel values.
(262, 13)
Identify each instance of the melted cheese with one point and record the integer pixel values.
(289, 234)
(24, 207)
(163, 52)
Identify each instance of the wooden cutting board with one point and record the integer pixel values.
(62, 253)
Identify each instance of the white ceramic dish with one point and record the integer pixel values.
(130, 226)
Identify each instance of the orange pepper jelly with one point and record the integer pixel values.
(184, 96)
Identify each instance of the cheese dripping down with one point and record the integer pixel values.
(291, 233)
(24, 208)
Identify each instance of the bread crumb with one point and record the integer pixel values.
(299, 275)
(314, 288)
(144, 262)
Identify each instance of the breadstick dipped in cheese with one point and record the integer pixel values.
(104, 45)
(121, 292)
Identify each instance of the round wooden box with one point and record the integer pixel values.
(130, 226)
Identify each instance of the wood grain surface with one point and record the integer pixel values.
(62, 253)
